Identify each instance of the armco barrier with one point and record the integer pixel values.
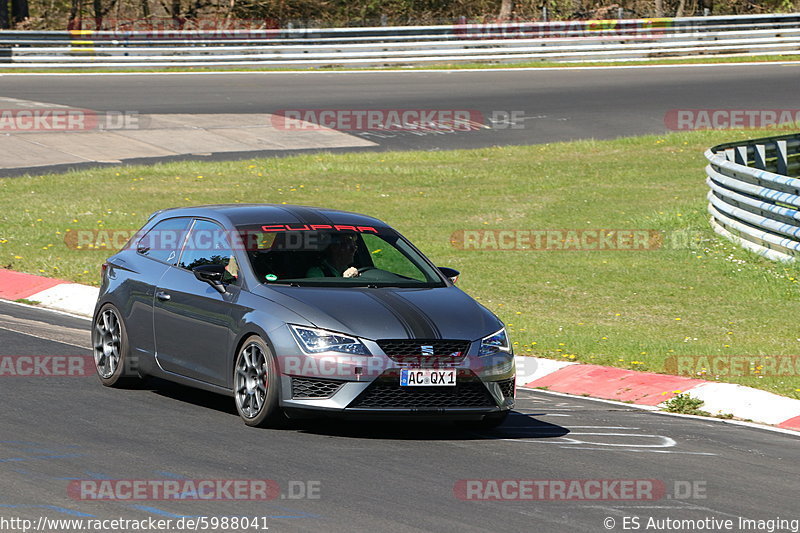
(755, 194)
(564, 41)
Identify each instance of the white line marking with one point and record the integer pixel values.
(572, 427)
(682, 507)
(629, 449)
(620, 509)
(44, 338)
(667, 442)
(657, 411)
(20, 304)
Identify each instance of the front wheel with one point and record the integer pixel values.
(112, 358)
(255, 385)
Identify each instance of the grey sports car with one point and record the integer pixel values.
(298, 311)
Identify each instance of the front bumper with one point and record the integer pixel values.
(369, 386)
(384, 397)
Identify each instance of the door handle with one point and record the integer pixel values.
(163, 296)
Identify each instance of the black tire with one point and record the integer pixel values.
(256, 385)
(111, 349)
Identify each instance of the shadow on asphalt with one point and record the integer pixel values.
(182, 393)
(516, 426)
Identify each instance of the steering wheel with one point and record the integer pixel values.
(365, 269)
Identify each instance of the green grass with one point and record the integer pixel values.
(683, 403)
(27, 302)
(434, 66)
(631, 309)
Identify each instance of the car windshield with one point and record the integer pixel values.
(324, 255)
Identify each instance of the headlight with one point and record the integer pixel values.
(495, 343)
(319, 340)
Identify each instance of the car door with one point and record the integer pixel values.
(193, 322)
(151, 256)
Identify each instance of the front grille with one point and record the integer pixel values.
(507, 387)
(425, 351)
(305, 388)
(384, 394)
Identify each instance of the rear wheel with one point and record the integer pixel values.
(255, 385)
(112, 357)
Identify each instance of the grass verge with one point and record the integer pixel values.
(699, 296)
(434, 66)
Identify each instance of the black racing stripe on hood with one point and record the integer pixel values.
(400, 318)
(420, 326)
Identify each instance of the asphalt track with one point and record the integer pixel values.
(400, 477)
(554, 104)
(55, 430)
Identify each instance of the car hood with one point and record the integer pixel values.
(388, 313)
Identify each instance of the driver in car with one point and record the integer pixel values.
(338, 257)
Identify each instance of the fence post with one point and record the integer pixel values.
(740, 157)
(760, 156)
(783, 158)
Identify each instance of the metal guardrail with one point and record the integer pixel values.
(568, 41)
(755, 194)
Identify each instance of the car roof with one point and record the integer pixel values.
(252, 214)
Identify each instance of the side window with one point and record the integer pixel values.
(164, 240)
(208, 244)
(387, 257)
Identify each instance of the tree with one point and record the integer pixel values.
(100, 12)
(506, 7)
(3, 14)
(75, 15)
(19, 11)
(97, 5)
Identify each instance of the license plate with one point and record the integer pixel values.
(427, 377)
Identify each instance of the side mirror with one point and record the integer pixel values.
(211, 274)
(450, 273)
